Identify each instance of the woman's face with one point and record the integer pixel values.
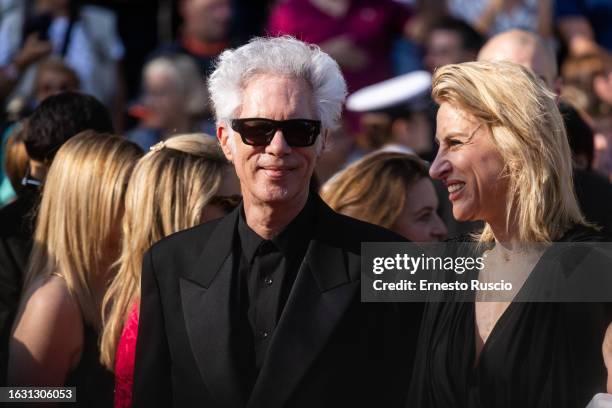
(470, 166)
(230, 186)
(419, 221)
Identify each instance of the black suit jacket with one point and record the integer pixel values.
(328, 350)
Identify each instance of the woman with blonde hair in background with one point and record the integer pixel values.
(55, 336)
(179, 184)
(389, 189)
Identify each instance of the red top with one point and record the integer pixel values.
(124, 360)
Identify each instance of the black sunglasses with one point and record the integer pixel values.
(260, 132)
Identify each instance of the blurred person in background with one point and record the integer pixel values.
(204, 34)
(584, 25)
(527, 49)
(587, 81)
(389, 189)
(450, 41)
(17, 160)
(84, 36)
(54, 121)
(491, 17)
(15, 164)
(52, 76)
(179, 184)
(359, 35)
(55, 337)
(395, 115)
(174, 101)
(524, 48)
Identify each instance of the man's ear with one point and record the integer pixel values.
(223, 137)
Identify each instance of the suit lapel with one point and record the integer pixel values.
(320, 296)
(206, 298)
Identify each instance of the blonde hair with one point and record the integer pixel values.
(374, 188)
(528, 130)
(81, 201)
(167, 193)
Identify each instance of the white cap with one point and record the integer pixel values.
(401, 90)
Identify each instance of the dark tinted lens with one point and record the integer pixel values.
(257, 132)
(300, 132)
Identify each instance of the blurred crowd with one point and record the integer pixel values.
(144, 64)
(147, 61)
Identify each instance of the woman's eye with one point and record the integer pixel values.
(453, 142)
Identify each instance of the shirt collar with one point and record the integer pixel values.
(291, 241)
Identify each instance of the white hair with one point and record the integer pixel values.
(284, 56)
(184, 73)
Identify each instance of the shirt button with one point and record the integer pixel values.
(268, 281)
(264, 334)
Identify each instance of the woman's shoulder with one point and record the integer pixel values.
(52, 296)
(50, 310)
(583, 233)
(47, 337)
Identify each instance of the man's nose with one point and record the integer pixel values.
(278, 145)
(439, 167)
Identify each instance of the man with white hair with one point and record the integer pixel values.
(262, 308)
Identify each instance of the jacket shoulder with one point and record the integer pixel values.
(349, 233)
(186, 243)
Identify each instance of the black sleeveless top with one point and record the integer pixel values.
(94, 384)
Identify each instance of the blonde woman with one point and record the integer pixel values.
(55, 336)
(505, 159)
(179, 184)
(389, 189)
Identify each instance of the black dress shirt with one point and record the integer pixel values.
(267, 271)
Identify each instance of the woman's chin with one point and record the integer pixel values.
(461, 214)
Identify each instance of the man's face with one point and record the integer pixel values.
(276, 173)
(525, 54)
(445, 47)
(208, 20)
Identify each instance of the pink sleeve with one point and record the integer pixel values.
(125, 358)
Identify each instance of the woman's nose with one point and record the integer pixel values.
(439, 167)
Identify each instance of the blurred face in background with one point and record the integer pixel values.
(602, 84)
(52, 6)
(471, 167)
(226, 197)
(49, 82)
(164, 99)
(444, 47)
(419, 220)
(207, 20)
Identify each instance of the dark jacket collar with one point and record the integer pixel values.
(329, 270)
